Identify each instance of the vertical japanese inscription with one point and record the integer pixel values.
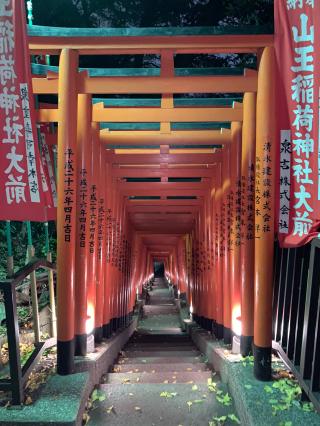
(93, 218)
(83, 206)
(69, 195)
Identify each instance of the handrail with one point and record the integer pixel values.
(19, 375)
(26, 270)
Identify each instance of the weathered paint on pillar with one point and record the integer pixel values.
(247, 221)
(84, 166)
(264, 209)
(66, 211)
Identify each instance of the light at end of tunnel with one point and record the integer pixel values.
(90, 319)
(236, 320)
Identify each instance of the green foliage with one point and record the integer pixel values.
(19, 243)
(224, 399)
(168, 394)
(98, 395)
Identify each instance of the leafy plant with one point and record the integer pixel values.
(98, 395)
(224, 399)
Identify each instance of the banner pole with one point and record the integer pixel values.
(51, 284)
(10, 265)
(33, 286)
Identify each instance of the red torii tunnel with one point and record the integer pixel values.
(198, 199)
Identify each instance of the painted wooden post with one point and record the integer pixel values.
(93, 230)
(264, 208)
(235, 237)
(66, 212)
(107, 280)
(247, 221)
(226, 245)
(84, 171)
(219, 226)
(101, 209)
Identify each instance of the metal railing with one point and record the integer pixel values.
(296, 314)
(19, 374)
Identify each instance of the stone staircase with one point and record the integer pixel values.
(160, 378)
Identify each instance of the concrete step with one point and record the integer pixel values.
(159, 360)
(158, 377)
(172, 367)
(136, 405)
(161, 353)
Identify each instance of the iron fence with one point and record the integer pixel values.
(296, 314)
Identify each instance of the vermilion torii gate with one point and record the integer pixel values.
(187, 181)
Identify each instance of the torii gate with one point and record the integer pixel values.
(228, 242)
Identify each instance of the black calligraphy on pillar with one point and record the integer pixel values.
(83, 207)
(230, 215)
(69, 194)
(258, 200)
(249, 203)
(222, 230)
(109, 235)
(237, 221)
(267, 185)
(93, 218)
(101, 219)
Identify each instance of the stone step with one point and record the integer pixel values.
(172, 367)
(173, 331)
(161, 353)
(158, 347)
(179, 344)
(158, 377)
(159, 360)
(163, 337)
(137, 405)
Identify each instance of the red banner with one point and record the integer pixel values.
(47, 170)
(21, 181)
(297, 43)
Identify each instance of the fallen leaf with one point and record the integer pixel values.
(137, 408)
(85, 418)
(109, 409)
(194, 387)
(189, 403)
(130, 394)
(28, 400)
(166, 381)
